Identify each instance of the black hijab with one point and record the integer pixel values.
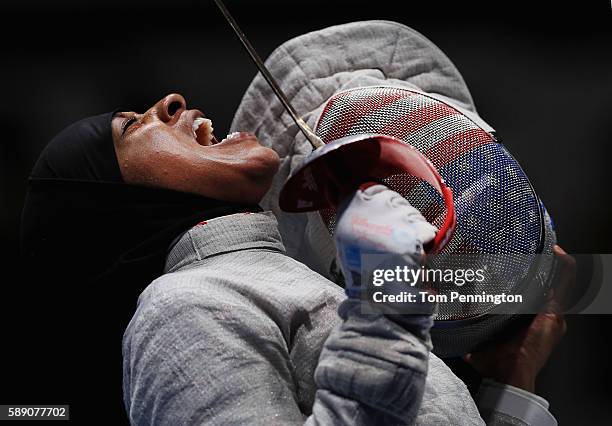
(81, 221)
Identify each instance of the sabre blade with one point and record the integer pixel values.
(314, 140)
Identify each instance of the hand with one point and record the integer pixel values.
(518, 361)
(375, 219)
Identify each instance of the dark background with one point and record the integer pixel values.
(540, 72)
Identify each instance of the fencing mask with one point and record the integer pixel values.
(501, 224)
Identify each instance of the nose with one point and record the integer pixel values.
(170, 107)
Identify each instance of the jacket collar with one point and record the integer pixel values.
(241, 231)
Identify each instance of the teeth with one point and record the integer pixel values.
(232, 135)
(205, 125)
(201, 120)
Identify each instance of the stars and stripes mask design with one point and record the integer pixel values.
(497, 209)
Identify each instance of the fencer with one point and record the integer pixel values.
(232, 329)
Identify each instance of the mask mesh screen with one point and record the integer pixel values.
(496, 207)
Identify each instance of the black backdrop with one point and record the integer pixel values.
(541, 73)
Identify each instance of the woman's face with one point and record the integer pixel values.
(160, 148)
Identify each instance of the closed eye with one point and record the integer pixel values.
(127, 123)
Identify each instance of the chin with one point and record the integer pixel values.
(265, 163)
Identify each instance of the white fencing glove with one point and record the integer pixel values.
(376, 220)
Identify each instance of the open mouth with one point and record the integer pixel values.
(203, 131)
